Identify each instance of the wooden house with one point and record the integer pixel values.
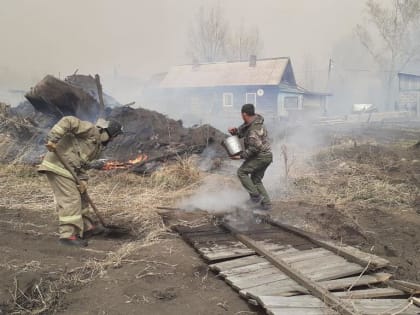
(409, 92)
(221, 88)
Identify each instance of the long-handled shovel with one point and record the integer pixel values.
(110, 230)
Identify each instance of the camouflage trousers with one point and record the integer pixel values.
(72, 208)
(251, 173)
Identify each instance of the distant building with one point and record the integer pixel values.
(222, 88)
(409, 92)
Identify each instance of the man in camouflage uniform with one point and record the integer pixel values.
(257, 155)
(78, 142)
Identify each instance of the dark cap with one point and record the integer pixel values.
(114, 128)
(248, 109)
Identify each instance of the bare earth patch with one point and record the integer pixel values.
(151, 272)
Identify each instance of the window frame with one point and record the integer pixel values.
(225, 94)
(286, 107)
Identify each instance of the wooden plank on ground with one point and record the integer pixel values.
(257, 270)
(239, 262)
(304, 301)
(297, 276)
(345, 270)
(376, 261)
(350, 253)
(302, 305)
(370, 293)
(297, 259)
(281, 279)
(258, 275)
(235, 263)
(225, 251)
(288, 287)
(271, 246)
(409, 287)
(300, 311)
(384, 306)
(344, 283)
(416, 301)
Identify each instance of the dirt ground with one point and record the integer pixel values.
(152, 271)
(164, 278)
(360, 188)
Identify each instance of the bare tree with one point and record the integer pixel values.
(309, 72)
(243, 43)
(388, 37)
(211, 38)
(208, 34)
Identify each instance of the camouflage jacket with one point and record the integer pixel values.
(255, 138)
(78, 142)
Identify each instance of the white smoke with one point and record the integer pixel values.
(217, 193)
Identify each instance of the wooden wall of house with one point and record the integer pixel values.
(409, 93)
(288, 103)
(200, 103)
(296, 106)
(314, 102)
(265, 102)
(409, 82)
(409, 100)
(211, 100)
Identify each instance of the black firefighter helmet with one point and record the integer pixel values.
(114, 128)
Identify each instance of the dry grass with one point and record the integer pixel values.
(129, 199)
(21, 187)
(173, 177)
(358, 176)
(124, 199)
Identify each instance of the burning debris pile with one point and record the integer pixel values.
(149, 138)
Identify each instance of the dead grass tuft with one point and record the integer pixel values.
(177, 176)
(42, 297)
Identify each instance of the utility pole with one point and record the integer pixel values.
(330, 66)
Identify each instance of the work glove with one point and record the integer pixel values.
(51, 146)
(82, 186)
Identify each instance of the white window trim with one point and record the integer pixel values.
(254, 99)
(223, 99)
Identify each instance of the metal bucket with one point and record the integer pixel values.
(232, 145)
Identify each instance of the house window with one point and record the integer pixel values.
(251, 98)
(228, 99)
(291, 102)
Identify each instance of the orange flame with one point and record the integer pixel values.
(139, 159)
(112, 165)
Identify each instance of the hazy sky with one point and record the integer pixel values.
(139, 37)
